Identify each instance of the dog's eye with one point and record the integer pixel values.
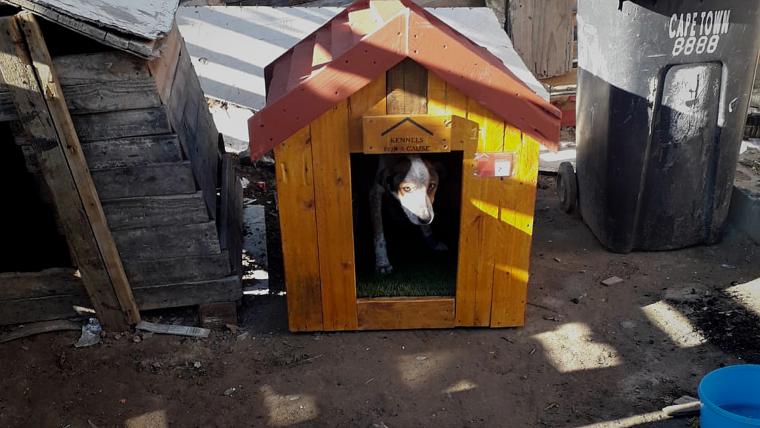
(431, 187)
(407, 189)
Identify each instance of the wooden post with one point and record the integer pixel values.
(542, 33)
(38, 98)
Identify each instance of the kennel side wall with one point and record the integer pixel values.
(314, 196)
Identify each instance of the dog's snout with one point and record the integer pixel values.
(425, 217)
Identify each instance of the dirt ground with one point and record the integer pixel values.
(589, 355)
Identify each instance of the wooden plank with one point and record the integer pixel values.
(341, 35)
(367, 101)
(179, 269)
(7, 108)
(363, 21)
(231, 223)
(46, 119)
(227, 289)
(195, 128)
(300, 64)
(152, 211)
(101, 97)
(332, 195)
(386, 9)
(122, 124)
(517, 213)
(164, 68)
(298, 231)
(322, 52)
(138, 46)
(145, 180)
(405, 313)
(40, 328)
(407, 84)
(20, 311)
(542, 33)
(444, 98)
(487, 202)
(49, 282)
(132, 151)
(100, 67)
(279, 83)
(199, 239)
(399, 134)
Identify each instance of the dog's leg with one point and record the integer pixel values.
(382, 264)
(430, 240)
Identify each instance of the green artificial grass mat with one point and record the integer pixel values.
(433, 275)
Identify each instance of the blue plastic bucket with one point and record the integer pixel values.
(731, 397)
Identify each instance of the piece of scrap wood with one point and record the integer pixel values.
(612, 281)
(39, 328)
(177, 330)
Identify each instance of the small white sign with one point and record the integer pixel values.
(502, 168)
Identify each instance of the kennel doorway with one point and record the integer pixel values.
(402, 72)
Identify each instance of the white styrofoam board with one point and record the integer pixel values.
(231, 45)
(149, 19)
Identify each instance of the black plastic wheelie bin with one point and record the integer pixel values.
(663, 90)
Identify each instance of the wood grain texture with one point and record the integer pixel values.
(332, 195)
(49, 282)
(7, 108)
(135, 45)
(133, 151)
(164, 68)
(100, 67)
(298, 230)
(407, 84)
(193, 124)
(177, 269)
(145, 180)
(152, 211)
(403, 134)
(227, 289)
(185, 240)
(542, 33)
(122, 124)
(512, 265)
(57, 147)
(101, 97)
(18, 311)
(367, 101)
(230, 219)
(398, 313)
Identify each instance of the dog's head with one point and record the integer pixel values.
(413, 181)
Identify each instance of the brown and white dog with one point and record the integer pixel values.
(412, 181)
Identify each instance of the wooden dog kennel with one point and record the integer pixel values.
(384, 69)
(117, 138)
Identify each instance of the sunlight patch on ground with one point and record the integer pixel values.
(748, 294)
(417, 370)
(287, 410)
(570, 348)
(155, 419)
(674, 324)
(461, 386)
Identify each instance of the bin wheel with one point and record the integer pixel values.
(567, 187)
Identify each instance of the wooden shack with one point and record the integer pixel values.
(385, 71)
(129, 202)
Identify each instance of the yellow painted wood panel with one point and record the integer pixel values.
(367, 101)
(298, 229)
(406, 313)
(445, 99)
(332, 194)
(512, 269)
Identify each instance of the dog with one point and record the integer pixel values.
(412, 181)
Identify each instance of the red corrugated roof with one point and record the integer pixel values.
(367, 39)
